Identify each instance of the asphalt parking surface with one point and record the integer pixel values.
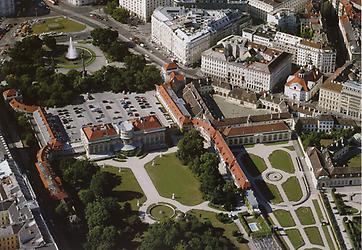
(108, 107)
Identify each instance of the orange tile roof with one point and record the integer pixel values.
(311, 75)
(47, 174)
(144, 123)
(170, 66)
(183, 120)
(176, 76)
(249, 130)
(54, 142)
(99, 131)
(18, 106)
(9, 93)
(225, 153)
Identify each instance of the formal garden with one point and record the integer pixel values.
(281, 160)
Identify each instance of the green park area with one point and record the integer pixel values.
(328, 236)
(281, 160)
(314, 236)
(270, 192)
(326, 142)
(254, 164)
(161, 212)
(128, 190)
(171, 177)
(355, 161)
(295, 238)
(256, 227)
(318, 210)
(305, 216)
(57, 24)
(284, 218)
(228, 228)
(292, 189)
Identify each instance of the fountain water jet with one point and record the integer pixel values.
(72, 53)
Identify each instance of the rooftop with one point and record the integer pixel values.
(99, 131)
(254, 129)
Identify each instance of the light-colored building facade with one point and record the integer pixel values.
(244, 64)
(7, 7)
(135, 134)
(143, 9)
(303, 85)
(186, 33)
(341, 93)
(261, 8)
(304, 51)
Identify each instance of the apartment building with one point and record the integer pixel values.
(305, 52)
(261, 8)
(303, 85)
(341, 93)
(324, 123)
(244, 64)
(186, 33)
(211, 4)
(7, 8)
(143, 9)
(22, 226)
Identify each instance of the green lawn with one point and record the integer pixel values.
(295, 237)
(292, 189)
(248, 145)
(328, 236)
(314, 235)
(254, 164)
(275, 143)
(270, 192)
(57, 24)
(228, 228)
(281, 160)
(326, 142)
(318, 209)
(161, 212)
(305, 216)
(171, 177)
(355, 161)
(284, 218)
(128, 190)
(264, 229)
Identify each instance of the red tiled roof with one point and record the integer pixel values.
(170, 66)
(9, 93)
(225, 153)
(144, 123)
(18, 106)
(183, 120)
(249, 130)
(311, 75)
(99, 131)
(176, 76)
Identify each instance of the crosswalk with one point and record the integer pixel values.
(5, 147)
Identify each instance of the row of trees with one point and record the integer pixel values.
(205, 166)
(110, 226)
(118, 13)
(107, 41)
(186, 233)
(30, 71)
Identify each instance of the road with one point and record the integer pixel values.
(81, 14)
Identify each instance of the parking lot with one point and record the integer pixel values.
(108, 107)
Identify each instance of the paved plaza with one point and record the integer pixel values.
(231, 110)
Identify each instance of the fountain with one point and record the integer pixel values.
(72, 53)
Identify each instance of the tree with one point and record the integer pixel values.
(51, 42)
(190, 146)
(104, 238)
(117, 51)
(62, 210)
(135, 62)
(103, 212)
(103, 36)
(120, 14)
(86, 196)
(78, 173)
(102, 183)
